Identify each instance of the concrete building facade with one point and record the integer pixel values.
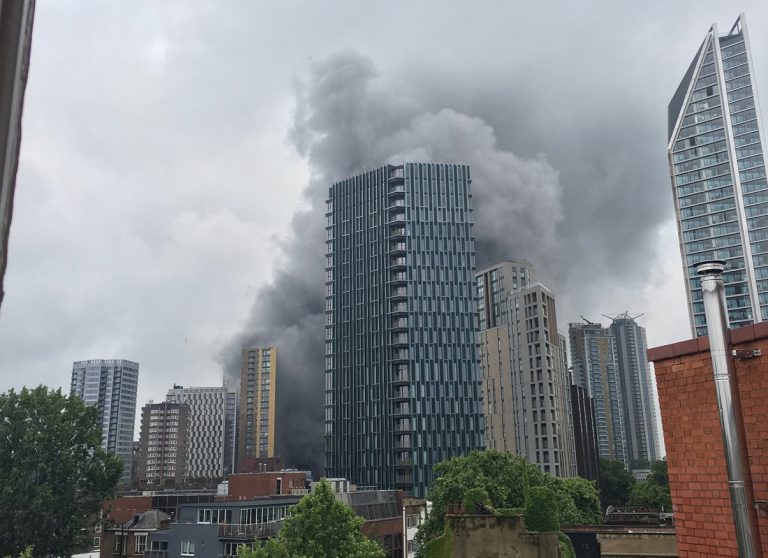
(163, 443)
(208, 429)
(716, 158)
(493, 284)
(258, 400)
(111, 387)
(542, 408)
(401, 390)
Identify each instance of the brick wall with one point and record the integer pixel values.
(691, 423)
(246, 486)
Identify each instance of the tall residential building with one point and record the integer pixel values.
(585, 434)
(642, 440)
(523, 367)
(595, 368)
(257, 403)
(110, 386)
(163, 442)
(716, 149)
(493, 285)
(401, 386)
(209, 408)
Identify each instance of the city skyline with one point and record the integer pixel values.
(195, 328)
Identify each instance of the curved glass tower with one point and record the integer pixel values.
(716, 147)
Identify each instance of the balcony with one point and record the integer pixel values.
(403, 442)
(402, 409)
(397, 204)
(400, 323)
(397, 217)
(397, 261)
(399, 308)
(398, 246)
(401, 392)
(399, 339)
(395, 188)
(403, 459)
(249, 531)
(398, 292)
(397, 231)
(398, 277)
(400, 374)
(400, 354)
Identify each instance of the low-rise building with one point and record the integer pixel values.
(129, 538)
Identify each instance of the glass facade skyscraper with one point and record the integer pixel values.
(595, 368)
(111, 387)
(401, 386)
(716, 149)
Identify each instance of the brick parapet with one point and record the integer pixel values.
(695, 453)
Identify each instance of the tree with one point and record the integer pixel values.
(501, 480)
(653, 492)
(319, 526)
(615, 483)
(54, 475)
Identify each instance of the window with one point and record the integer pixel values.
(119, 544)
(139, 543)
(158, 545)
(96, 542)
(187, 548)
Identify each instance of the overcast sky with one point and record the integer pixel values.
(167, 146)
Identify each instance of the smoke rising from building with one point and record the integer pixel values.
(347, 120)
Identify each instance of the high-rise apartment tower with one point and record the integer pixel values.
(716, 159)
(401, 386)
(256, 432)
(211, 429)
(642, 439)
(595, 368)
(163, 442)
(526, 388)
(110, 386)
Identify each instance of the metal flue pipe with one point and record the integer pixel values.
(729, 405)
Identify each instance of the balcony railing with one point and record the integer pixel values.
(249, 531)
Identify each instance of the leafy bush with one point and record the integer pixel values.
(541, 510)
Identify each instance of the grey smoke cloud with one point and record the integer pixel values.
(347, 121)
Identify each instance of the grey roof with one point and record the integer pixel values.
(149, 520)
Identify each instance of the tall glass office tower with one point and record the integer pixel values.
(716, 147)
(401, 386)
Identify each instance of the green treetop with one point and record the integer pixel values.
(502, 481)
(319, 526)
(54, 475)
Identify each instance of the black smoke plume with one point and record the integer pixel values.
(347, 121)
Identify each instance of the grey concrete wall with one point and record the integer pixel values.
(481, 536)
